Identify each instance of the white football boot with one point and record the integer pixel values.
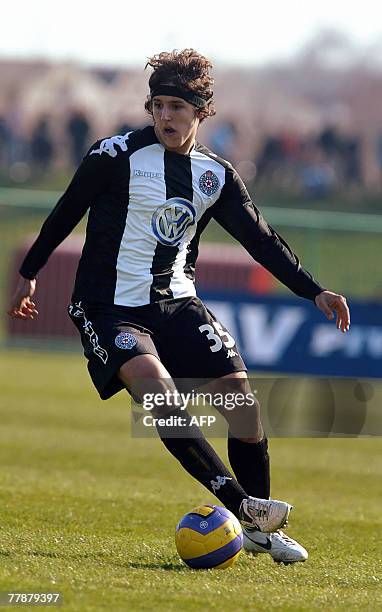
(265, 515)
(281, 548)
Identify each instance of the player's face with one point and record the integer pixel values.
(175, 123)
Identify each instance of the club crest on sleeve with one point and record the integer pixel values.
(124, 340)
(209, 183)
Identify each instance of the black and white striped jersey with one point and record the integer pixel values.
(147, 209)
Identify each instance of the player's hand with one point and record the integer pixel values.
(327, 302)
(22, 306)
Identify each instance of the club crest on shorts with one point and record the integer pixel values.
(124, 340)
(209, 183)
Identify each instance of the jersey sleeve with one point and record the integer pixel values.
(91, 179)
(237, 214)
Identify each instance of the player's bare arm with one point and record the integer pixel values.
(22, 306)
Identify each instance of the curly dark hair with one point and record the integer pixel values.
(186, 69)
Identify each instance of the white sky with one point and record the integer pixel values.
(123, 32)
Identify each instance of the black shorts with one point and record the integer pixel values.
(182, 333)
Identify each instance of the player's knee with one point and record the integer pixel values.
(241, 407)
(163, 397)
(245, 423)
(236, 389)
(145, 378)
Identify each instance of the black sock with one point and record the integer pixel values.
(250, 463)
(188, 444)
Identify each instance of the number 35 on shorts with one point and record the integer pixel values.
(217, 339)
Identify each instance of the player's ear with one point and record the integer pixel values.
(199, 114)
(149, 105)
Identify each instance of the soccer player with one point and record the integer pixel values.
(150, 194)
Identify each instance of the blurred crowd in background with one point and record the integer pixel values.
(310, 127)
(318, 164)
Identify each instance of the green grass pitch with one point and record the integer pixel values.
(90, 512)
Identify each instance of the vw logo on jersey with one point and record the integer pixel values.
(171, 220)
(124, 340)
(209, 183)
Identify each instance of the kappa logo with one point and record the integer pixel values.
(108, 145)
(209, 183)
(219, 482)
(231, 353)
(76, 310)
(124, 340)
(146, 174)
(171, 221)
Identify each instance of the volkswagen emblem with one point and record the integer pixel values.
(171, 220)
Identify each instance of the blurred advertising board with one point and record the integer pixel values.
(289, 334)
